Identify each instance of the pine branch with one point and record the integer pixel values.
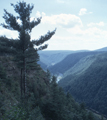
(11, 22)
(34, 23)
(43, 38)
(43, 47)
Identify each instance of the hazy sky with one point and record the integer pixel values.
(81, 24)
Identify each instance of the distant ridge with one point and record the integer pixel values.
(90, 85)
(69, 61)
(52, 57)
(102, 49)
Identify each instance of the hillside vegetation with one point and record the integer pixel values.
(82, 65)
(51, 57)
(44, 100)
(26, 91)
(68, 62)
(89, 86)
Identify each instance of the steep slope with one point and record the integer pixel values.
(81, 65)
(90, 87)
(77, 70)
(45, 100)
(69, 62)
(10, 102)
(43, 65)
(53, 57)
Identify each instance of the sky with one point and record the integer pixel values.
(81, 24)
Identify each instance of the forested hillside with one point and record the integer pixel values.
(90, 86)
(26, 91)
(52, 57)
(43, 65)
(69, 62)
(44, 99)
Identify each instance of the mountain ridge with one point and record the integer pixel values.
(90, 86)
(69, 61)
(52, 57)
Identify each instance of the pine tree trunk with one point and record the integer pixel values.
(25, 87)
(21, 83)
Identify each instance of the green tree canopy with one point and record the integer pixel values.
(26, 54)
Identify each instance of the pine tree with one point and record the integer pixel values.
(48, 74)
(5, 46)
(26, 54)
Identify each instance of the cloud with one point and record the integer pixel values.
(93, 32)
(76, 31)
(83, 11)
(100, 24)
(63, 43)
(63, 20)
(90, 12)
(38, 14)
(8, 33)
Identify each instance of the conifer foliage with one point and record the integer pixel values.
(43, 98)
(26, 54)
